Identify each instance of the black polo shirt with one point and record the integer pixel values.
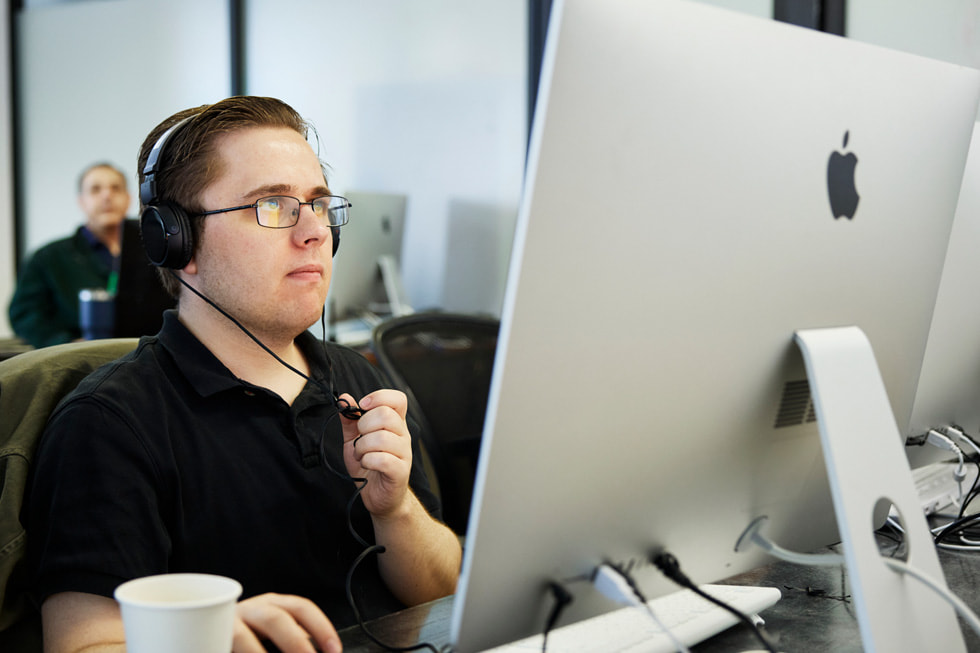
(163, 461)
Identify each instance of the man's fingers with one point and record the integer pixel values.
(292, 623)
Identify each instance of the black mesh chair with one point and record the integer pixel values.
(443, 362)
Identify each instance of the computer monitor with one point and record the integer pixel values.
(366, 270)
(677, 227)
(140, 298)
(948, 393)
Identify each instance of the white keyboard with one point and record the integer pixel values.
(689, 617)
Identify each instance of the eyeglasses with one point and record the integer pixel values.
(282, 211)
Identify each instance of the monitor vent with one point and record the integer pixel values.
(796, 405)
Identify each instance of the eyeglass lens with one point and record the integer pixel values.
(282, 211)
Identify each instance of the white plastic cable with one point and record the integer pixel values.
(753, 535)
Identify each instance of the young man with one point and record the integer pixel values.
(201, 451)
(44, 308)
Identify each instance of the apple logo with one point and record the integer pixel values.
(840, 182)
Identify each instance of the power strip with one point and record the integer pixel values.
(937, 488)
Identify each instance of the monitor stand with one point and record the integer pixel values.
(394, 289)
(867, 466)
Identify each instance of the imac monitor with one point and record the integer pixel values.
(366, 267)
(948, 393)
(678, 225)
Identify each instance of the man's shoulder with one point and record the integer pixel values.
(57, 248)
(140, 369)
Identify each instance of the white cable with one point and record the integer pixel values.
(753, 535)
(960, 547)
(961, 608)
(942, 441)
(612, 584)
(963, 438)
(894, 523)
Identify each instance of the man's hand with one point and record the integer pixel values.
(292, 623)
(378, 447)
(422, 556)
(76, 621)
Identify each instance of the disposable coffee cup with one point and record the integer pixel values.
(179, 613)
(96, 313)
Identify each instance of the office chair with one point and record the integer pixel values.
(443, 362)
(31, 385)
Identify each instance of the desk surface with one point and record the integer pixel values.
(811, 616)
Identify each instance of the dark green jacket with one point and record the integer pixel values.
(44, 309)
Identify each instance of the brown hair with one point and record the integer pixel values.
(190, 163)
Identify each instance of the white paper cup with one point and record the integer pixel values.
(179, 613)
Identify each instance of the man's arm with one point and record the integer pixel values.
(76, 622)
(422, 557)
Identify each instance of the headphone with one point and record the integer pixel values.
(166, 226)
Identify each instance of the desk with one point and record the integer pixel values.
(802, 622)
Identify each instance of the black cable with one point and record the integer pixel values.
(357, 614)
(343, 407)
(562, 598)
(955, 528)
(671, 568)
(972, 493)
(350, 411)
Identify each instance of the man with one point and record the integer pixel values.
(209, 454)
(44, 308)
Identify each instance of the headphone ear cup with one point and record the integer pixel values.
(166, 232)
(335, 233)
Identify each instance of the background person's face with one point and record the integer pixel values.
(104, 199)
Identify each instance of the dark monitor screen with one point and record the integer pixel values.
(140, 297)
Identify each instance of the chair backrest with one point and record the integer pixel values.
(443, 362)
(31, 385)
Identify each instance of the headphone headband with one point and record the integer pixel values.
(148, 187)
(166, 226)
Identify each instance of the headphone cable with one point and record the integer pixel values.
(350, 411)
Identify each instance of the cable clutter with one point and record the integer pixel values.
(616, 582)
(959, 531)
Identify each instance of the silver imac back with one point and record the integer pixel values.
(676, 229)
(948, 393)
(370, 246)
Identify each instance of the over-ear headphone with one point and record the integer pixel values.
(166, 226)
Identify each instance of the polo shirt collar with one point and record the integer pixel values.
(207, 374)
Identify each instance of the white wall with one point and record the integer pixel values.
(948, 30)
(95, 77)
(760, 8)
(425, 98)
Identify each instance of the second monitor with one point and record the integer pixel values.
(366, 281)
